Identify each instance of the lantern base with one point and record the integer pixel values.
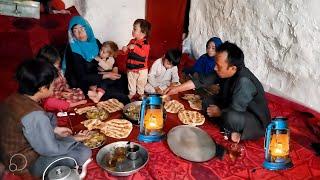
(285, 164)
(150, 138)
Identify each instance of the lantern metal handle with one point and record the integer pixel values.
(142, 111)
(267, 139)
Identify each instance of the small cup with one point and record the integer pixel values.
(133, 152)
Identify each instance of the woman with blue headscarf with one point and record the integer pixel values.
(205, 64)
(81, 70)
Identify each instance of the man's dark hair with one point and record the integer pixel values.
(49, 54)
(145, 26)
(235, 54)
(173, 56)
(32, 75)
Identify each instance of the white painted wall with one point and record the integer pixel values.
(280, 40)
(111, 19)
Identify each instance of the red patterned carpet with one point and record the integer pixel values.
(21, 39)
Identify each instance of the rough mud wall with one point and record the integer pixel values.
(280, 40)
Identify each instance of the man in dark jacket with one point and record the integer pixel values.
(240, 107)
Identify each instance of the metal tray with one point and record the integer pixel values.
(127, 167)
(130, 118)
(191, 143)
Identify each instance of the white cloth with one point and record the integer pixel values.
(107, 64)
(161, 77)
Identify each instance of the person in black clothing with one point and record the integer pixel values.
(81, 70)
(240, 107)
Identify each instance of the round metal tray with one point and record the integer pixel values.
(127, 167)
(130, 118)
(191, 143)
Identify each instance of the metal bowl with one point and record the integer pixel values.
(191, 143)
(125, 167)
(134, 120)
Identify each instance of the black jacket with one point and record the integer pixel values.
(80, 73)
(242, 92)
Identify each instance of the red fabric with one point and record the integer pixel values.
(166, 18)
(17, 44)
(55, 104)
(57, 5)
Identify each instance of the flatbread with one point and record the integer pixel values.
(191, 117)
(191, 97)
(116, 128)
(111, 105)
(92, 124)
(173, 106)
(196, 105)
(84, 109)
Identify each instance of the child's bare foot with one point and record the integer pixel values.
(100, 93)
(92, 93)
(235, 137)
(141, 96)
(131, 96)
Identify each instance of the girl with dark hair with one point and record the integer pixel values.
(205, 64)
(63, 96)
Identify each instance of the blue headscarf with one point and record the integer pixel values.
(205, 64)
(217, 41)
(87, 49)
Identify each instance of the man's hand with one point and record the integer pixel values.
(110, 75)
(62, 131)
(213, 111)
(82, 135)
(171, 91)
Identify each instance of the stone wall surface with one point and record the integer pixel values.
(280, 40)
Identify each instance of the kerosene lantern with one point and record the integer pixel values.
(276, 145)
(152, 118)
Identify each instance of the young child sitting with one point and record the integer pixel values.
(107, 63)
(138, 52)
(205, 64)
(29, 137)
(63, 97)
(164, 72)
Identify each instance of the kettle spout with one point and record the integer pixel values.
(84, 168)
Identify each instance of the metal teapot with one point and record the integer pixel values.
(65, 172)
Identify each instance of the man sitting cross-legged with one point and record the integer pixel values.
(240, 107)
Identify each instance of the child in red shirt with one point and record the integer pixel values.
(138, 52)
(63, 96)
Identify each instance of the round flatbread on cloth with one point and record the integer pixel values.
(173, 106)
(191, 143)
(116, 128)
(193, 118)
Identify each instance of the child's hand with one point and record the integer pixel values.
(124, 48)
(81, 136)
(158, 90)
(131, 46)
(174, 84)
(62, 131)
(97, 58)
(100, 69)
